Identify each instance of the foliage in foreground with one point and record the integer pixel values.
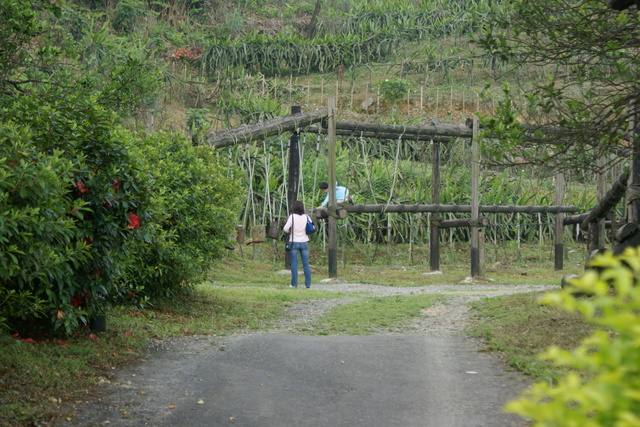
(608, 393)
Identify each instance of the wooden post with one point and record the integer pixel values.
(559, 226)
(602, 191)
(411, 240)
(331, 153)
(596, 230)
(481, 255)
(434, 230)
(294, 174)
(294, 163)
(633, 202)
(475, 179)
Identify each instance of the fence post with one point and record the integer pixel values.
(559, 226)
(331, 153)
(475, 179)
(434, 230)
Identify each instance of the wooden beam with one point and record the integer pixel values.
(608, 202)
(317, 129)
(462, 222)
(458, 209)
(402, 130)
(262, 130)
(324, 213)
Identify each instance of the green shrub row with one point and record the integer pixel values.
(92, 216)
(293, 54)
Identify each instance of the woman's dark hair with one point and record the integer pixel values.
(324, 186)
(297, 207)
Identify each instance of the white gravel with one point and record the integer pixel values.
(449, 317)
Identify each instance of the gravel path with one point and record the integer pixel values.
(448, 317)
(425, 374)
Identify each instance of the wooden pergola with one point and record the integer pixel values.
(324, 122)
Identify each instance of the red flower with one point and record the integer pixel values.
(134, 221)
(116, 184)
(77, 300)
(81, 187)
(31, 340)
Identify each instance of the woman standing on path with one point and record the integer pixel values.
(296, 226)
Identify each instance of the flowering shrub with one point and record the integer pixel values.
(608, 395)
(66, 227)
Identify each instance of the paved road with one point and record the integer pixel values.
(295, 380)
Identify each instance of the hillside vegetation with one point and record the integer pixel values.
(411, 62)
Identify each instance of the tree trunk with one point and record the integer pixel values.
(311, 26)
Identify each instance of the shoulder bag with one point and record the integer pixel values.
(310, 229)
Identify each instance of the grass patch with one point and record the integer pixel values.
(373, 315)
(520, 328)
(534, 266)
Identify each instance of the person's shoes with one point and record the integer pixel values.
(291, 286)
(308, 287)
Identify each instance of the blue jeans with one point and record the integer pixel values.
(303, 249)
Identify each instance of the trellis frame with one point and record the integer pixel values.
(323, 121)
